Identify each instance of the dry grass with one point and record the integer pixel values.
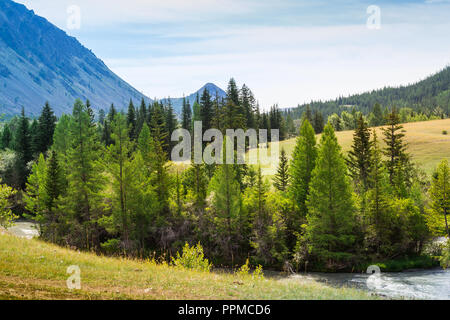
(31, 269)
(427, 145)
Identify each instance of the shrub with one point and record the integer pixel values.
(192, 258)
(444, 132)
(111, 246)
(245, 270)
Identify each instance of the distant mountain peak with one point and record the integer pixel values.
(177, 103)
(40, 62)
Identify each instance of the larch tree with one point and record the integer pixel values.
(85, 179)
(301, 168)
(331, 231)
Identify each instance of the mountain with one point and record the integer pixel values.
(177, 103)
(423, 96)
(39, 63)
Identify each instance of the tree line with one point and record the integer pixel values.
(107, 185)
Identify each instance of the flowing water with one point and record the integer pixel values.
(423, 284)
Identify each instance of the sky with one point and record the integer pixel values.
(288, 52)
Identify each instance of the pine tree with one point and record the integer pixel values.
(378, 209)
(22, 146)
(206, 110)
(226, 201)
(233, 92)
(171, 124)
(308, 115)
(301, 168)
(186, 114)
(318, 121)
(118, 166)
(34, 138)
(440, 192)
(247, 101)
(46, 129)
(395, 149)
(142, 117)
(281, 179)
(85, 179)
(6, 138)
(132, 121)
(331, 234)
(359, 157)
(378, 115)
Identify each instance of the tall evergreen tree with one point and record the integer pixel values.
(206, 110)
(281, 179)
(118, 165)
(46, 129)
(301, 168)
(378, 215)
(395, 149)
(359, 157)
(331, 232)
(132, 121)
(85, 179)
(186, 114)
(22, 146)
(226, 201)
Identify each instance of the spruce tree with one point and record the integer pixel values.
(186, 114)
(85, 178)
(331, 233)
(281, 179)
(395, 150)
(132, 121)
(46, 129)
(378, 216)
(23, 148)
(206, 110)
(359, 157)
(6, 137)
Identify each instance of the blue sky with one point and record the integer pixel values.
(287, 51)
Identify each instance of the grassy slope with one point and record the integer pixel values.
(427, 144)
(31, 269)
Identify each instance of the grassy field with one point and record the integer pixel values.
(427, 144)
(31, 269)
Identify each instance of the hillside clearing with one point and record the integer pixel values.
(427, 144)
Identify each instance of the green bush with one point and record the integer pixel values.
(111, 246)
(444, 132)
(192, 258)
(245, 270)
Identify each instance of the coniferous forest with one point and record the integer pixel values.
(105, 183)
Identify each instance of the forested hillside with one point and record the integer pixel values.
(430, 97)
